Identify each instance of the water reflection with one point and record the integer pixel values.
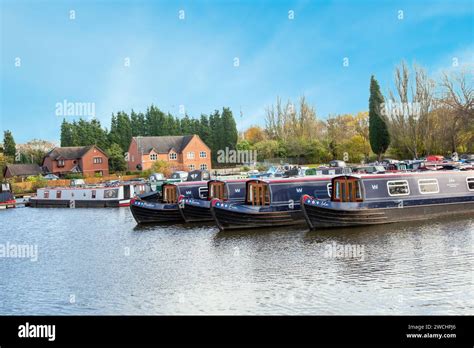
(112, 266)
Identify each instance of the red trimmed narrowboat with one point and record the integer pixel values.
(162, 207)
(270, 203)
(198, 209)
(387, 198)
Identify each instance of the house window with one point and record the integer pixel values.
(470, 183)
(60, 163)
(58, 194)
(46, 194)
(427, 186)
(97, 160)
(173, 156)
(190, 155)
(398, 188)
(192, 167)
(99, 173)
(203, 154)
(203, 166)
(153, 157)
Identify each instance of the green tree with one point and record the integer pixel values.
(378, 130)
(229, 129)
(137, 122)
(66, 134)
(9, 146)
(204, 129)
(116, 160)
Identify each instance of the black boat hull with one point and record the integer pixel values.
(228, 220)
(193, 213)
(149, 212)
(326, 217)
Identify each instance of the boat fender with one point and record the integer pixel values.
(214, 201)
(181, 201)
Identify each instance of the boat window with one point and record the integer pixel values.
(346, 190)
(258, 194)
(94, 194)
(329, 187)
(46, 194)
(58, 194)
(170, 194)
(203, 192)
(398, 188)
(427, 186)
(470, 184)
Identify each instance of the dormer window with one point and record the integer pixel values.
(173, 156)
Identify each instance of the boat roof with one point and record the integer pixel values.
(321, 177)
(410, 174)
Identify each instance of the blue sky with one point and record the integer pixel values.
(190, 62)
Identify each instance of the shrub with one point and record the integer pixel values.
(74, 176)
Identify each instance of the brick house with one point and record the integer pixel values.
(85, 160)
(186, 152)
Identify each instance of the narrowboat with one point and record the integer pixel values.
(163, 207)
(197, 209)
(387, 198)
(7, 200)
(270, 202)
(108, 195)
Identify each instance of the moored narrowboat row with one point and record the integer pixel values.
(387, 198)
(270, 203)
(165, 208)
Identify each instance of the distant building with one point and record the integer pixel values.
(85, 160)
(186, 152)
(21, 170)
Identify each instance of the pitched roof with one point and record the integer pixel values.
(23, 169)
(163, 144)
(71, 152)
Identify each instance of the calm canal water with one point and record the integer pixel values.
(97, 261)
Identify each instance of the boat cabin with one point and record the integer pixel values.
(226, 190)
(172, 191)
(286, 191)
(402, 186)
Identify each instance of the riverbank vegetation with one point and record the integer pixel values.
(421, 117)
